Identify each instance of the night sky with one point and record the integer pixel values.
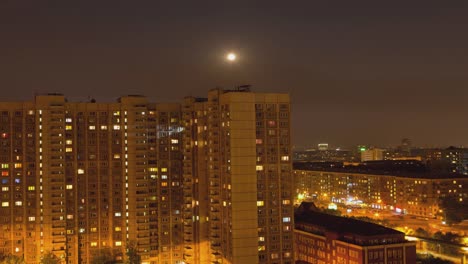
(359, 72)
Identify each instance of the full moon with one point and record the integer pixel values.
(231, 57)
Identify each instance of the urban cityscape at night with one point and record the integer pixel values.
(228, 133)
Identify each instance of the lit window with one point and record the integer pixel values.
(116, 113)
(92, 127)
(18, 165)
(4, 135)
(286, 219)
(31, 188)
(163, 183)
(5, 204)
(118, 229)
(286, 202)
(118, 243)
(68, 149)
(4, 173)
(116, 127)
(82, 230)
(260, 203)
(5, 166)
(163, 169)
(259, 167)
(258, 141)
(68, 127)
(118, 214)
(18, 203)
(284, 158)
(94, 244)
(103, 127)
(32, 218)
(94, 229)
(164, 177)
(68, 142)
(80, 171)
(261, 248)
(5, 189)
(261, 238)
(69, 217)
(69, 187)
(153, 169)
(174, 141)
(116, 156)
(68, 120)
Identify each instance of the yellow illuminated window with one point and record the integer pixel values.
(80, 171)
(68, 149)
(163, 183)
(68, 127)
(31, 188)
(92, 127)
(163, 169)
(5, 166)
(118, 243)
(69, 186)
(116, 113)
(94, 244)
(116, 127)
(18, 165)
(260, 203)
(103, 127)
(68, 141)
(118, 229)
(153, 169)
(5, 204)
(259, 167)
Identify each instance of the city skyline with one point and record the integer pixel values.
(360, 73)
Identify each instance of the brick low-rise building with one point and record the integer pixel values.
(324, 239)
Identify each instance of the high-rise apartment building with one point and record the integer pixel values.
(237, 150)
(207, 180)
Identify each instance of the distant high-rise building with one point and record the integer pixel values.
(322, 146)
(206, 180)
(372, 154)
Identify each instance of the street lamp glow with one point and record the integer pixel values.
(231, 57)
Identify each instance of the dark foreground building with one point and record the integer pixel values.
(327, 239)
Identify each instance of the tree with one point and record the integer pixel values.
(50, 258)
(453, 211)
(104, 256)
(132, 254)
(11, 259)
(420, 232)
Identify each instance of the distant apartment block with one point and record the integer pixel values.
(372, 154)
(417, 194)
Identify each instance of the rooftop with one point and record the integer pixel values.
(340, 224)
(401, 168)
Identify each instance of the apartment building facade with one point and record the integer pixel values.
(419, 196)
(204, 180)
